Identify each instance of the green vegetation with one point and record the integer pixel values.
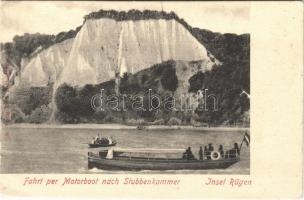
(29, 99)
(131, 15)
(226, 82)
(32, 105)
(24, 46)
(74, 104)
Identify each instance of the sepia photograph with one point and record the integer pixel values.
(125, 87)
(151, 99)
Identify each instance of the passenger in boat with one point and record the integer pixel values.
(221, 150)
(101, 141)
(205, 152)
(188, 155)
(210, 147)
(93, 141)
(209, 150)
(234, 152)
(97, 139)
(237, 149)
(110, 141)
(200, 153)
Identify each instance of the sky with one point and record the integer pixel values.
(17, 18)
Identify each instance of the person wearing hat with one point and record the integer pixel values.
(200, 153)
(210, 149)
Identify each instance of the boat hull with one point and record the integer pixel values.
(101, 145)
(160, 164)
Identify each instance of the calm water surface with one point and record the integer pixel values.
(53, 150)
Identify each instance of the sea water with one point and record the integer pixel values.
(64, 150)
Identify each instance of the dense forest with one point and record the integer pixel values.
(226, 82)
(74, 104)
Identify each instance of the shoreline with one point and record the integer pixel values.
(123, 127)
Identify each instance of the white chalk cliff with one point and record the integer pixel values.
(104, 47)
(46, 66)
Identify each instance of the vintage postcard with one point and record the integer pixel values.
(122, 99)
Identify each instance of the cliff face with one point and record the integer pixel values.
(136, 45)
(45, 67)
(104, 47)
